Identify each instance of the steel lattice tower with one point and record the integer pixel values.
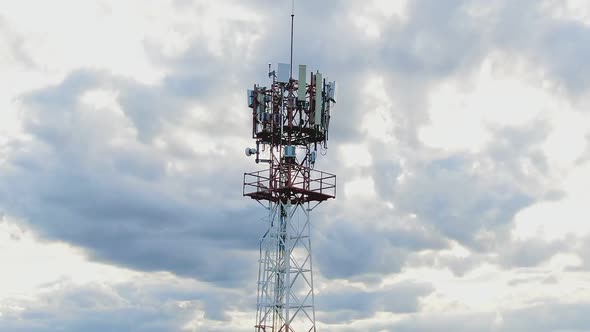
(290, 121)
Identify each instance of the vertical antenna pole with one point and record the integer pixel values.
(292, 20)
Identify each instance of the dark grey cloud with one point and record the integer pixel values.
(440, 322)
(445, 39)
(529, 253)
(507, 253)
(458, 265)
(457, 202)
(342, 306)
(462, 194)
(351, 251)
(438, 40)
(90, 309)
(472, 198)
(118, 201)
(366, 251)
(548, 316)
(558, 45)
(143, 306)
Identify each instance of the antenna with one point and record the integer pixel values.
(292, 23)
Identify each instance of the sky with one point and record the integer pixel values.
(460, 138)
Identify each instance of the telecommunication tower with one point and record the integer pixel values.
(290, 121)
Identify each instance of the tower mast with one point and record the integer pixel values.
(290, 121)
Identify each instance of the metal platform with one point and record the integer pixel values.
(304, 185)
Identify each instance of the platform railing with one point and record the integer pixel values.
(304, 180)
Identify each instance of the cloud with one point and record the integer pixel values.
(132, 141)
(459, 202)
(380, 247)
(137, 306)
(548, 316)
(92, 178)
(343, 305)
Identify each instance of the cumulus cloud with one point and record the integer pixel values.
(161, 304)
(344, 305)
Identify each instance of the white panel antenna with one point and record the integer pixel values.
(319, 100)
(250, 98)
(301, 90)
(332, 92)
(284, 73)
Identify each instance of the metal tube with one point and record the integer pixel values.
(292, 24)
